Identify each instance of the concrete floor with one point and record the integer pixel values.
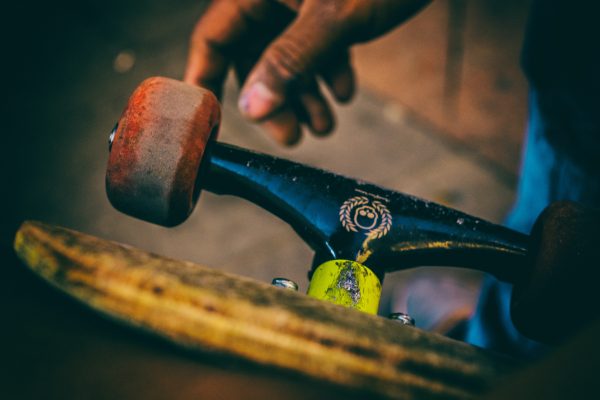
(71, 107)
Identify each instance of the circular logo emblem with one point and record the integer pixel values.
(359, 214)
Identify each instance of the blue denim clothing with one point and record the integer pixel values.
(547, 174)
(561, 159)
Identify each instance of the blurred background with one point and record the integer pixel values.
(440, 114)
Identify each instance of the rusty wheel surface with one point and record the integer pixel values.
(157, 148)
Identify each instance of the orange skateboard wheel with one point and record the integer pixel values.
(157, 148)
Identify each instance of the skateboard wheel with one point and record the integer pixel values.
(157, 148)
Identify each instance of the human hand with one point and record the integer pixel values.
(281, 49)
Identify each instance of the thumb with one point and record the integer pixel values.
(288, 62)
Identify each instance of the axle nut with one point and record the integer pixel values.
(402, 318)
(285, 284)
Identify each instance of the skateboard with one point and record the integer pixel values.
(202, 309)
(164, 153)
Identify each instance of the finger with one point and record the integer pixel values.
(309, 105)
(317, 112)
(242, 69)
(287, 61)
(219, 30)
(264, 28)
(284, 127)
(339, 77)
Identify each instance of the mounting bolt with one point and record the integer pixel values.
(402, 318)
(111, 137)
(285, 283)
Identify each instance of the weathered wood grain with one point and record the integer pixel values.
(204, 309)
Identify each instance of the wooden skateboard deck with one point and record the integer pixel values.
(206, 310)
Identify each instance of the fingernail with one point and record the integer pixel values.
(257, 101)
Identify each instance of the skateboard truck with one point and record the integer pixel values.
(163, 152)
